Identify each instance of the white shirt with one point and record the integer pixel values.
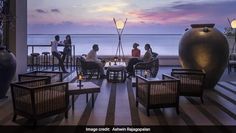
(92, 56)
(54, 45)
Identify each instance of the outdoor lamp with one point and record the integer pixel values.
(120, 24)
(233, 25)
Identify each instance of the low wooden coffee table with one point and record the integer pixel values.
(116, 73)
(88, 87)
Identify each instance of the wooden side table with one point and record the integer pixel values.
(88, 87)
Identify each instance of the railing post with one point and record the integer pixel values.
(74, 54)
(32, 49)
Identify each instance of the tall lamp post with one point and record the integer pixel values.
(233, 25)
(120, 25)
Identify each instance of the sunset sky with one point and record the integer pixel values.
(144, 16)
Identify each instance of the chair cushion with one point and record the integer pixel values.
(190, 86)
(159, 95)
(46, 53)
(35, 54)
(45, 101)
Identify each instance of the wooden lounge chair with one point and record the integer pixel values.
(154, 93)
(37, 99)
(54, 76)
(88, 68)
(152, 67)
(191, 82)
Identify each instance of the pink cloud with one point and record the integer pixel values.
(169, 17)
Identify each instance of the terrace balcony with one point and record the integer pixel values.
(114, 105)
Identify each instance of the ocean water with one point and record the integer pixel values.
(163, 44)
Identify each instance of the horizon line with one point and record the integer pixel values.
(104, 34)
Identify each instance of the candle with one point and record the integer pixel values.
(80, 77)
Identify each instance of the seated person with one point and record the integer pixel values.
(135, 50)
(146, 58)
(57, 54)
(148, 54)
(92, 56)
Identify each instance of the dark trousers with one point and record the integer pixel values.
(60, 59)
(130, 66)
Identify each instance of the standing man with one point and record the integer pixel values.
(57, 54)
(92, 56)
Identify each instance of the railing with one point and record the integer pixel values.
(49, 46)
(164, 60)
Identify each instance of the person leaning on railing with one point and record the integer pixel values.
(67, 48)
(146, 58)
(56, 53)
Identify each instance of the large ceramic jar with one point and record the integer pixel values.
(7, 70)
(204, 47)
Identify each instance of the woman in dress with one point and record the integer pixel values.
(67, 48)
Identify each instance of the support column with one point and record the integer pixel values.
(18, 34)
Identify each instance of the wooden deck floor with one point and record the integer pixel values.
(115, 105)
